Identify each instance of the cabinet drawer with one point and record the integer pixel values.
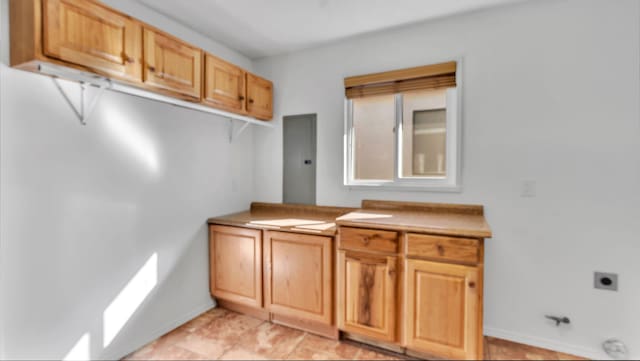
(446, 248)
(368, 239)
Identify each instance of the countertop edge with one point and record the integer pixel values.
(405, 228)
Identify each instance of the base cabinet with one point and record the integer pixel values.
(443, 309)
(367, 293)
(298, 279)
(236, 264)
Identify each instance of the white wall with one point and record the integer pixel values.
(551, 94)
(83, 208)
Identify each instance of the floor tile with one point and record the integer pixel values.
(172, 352)
(564, 356)
(238, 353)
(506, 350)
(229, 327)
(341, 350)
(304, 353)
(366, 354)
(226, 335)
(210, 347)
(203, 319)
(271, 341)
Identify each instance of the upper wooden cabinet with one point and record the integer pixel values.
(93, 36)
(236, 264)
(89, 36)
(171, 64)
(298, 281)
(443, 309)
(259, 97)
(224, 85)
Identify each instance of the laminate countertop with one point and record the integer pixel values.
(431, 218)
(318, 220)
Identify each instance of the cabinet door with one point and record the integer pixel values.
(171, 64)
(442, 313)
(236, 264)
(367, 294)
(224, 85)
(298, 279)
(88, 34)
(260, 97)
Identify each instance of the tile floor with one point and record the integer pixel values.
(219, 334)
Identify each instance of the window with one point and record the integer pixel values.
(402, 130)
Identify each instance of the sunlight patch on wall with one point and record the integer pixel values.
(133, 138)
(129, 299)
(81, 350)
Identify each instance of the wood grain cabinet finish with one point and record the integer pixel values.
(91, 35)
(259, 97)
(455, 249)
(236, 264)
(224, 85)
(298, 280)
(443, 309)
(367, 293)
(171, 64)
(374, 240)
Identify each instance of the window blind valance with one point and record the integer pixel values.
(434, 76)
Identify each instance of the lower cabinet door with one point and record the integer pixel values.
(367, 294)
(442, 309)
(298, 280)
(236, 264)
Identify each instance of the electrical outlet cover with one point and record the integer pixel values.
(605, 281)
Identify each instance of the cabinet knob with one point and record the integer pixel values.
(240, 97)
(151, 68)
(440, 250)
(250, 100)
(129, 59)
(392, 273)
(472, 284)
(366, 240)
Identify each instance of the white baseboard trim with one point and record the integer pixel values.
(553, 345)
(171, 325)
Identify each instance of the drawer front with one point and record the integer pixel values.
(445, 248)
(368, 240)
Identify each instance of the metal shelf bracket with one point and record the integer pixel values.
(233, 135)
(86, 106)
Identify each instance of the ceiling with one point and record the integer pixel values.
(259, 28)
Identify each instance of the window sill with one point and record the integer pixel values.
(406, 188)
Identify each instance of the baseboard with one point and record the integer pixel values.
(554, 345)
(171, 325)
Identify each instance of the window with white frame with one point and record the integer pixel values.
(402, 129)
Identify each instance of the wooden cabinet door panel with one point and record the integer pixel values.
(236, 264)
(442, 313)
(259, 97)
(367, 294)
(171, 64)
(224, 85)
(90, 35)
(298, 276)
